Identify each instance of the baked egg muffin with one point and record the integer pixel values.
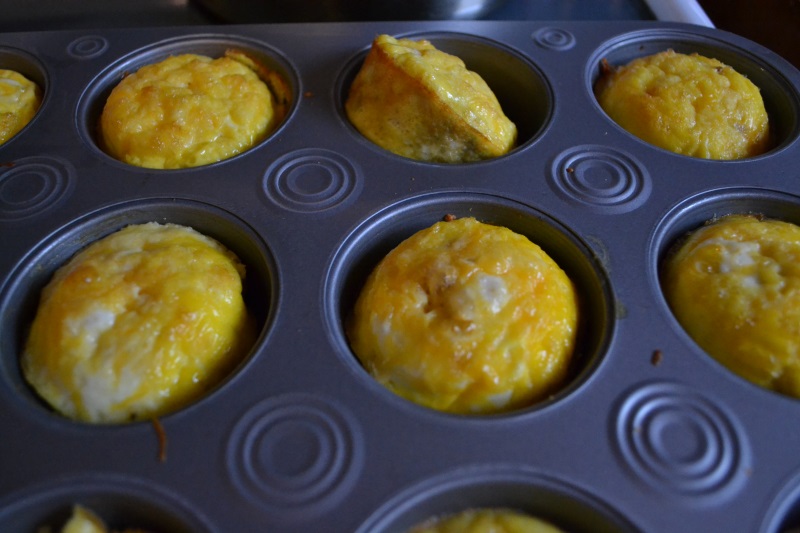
(419, 102)
(734, 286)
(191, 110)
(20, 99)
(468, 318)
(137, 325)
(83, 520)
(486, 521)
(688, 104)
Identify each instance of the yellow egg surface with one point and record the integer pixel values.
(419, 102)
(688, 104)
(734, 286)
(486, 521)
(468, 318)
(191, 110)
(137, 325)
(83, 520)
(20, 99)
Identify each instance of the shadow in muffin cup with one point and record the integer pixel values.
(783, 515)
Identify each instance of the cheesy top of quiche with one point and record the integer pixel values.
(688, 104)
(486, 521)
(734, 286)
(467, 317)
(137, 325)
(20, 99)
(420, 102)
(189, 110)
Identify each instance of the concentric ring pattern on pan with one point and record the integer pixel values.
(648, 432)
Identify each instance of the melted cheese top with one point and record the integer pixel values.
(83, 520)
(137, 325)
(734, 286)
(422, 103)
(688, 104)
(20, 99)
(186, 111)
(466, 317)
(486, 521)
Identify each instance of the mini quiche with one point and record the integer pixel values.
(20, 99)
(486, 521)
(83, 520)
(734, 286)
(688, 104)
(191, 110)
(137, 325)
(468, 318)
(419, 102)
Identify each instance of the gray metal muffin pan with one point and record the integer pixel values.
(649, 435)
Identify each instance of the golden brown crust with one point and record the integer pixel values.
(467, 317)
(191, 110)
(419, 102)
(278, 87)
(686, 103)
(734, 285)
(20, 99)
(486, 520)
(137, 325)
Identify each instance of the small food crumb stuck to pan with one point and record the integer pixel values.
(656, 358)
(162, 440)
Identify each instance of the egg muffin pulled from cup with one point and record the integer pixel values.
(137, 325)
(688, 104)
(191, 110)
(734, 286)
(468, 318)
(419, 102)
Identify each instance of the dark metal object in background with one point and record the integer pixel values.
(348, 10)
(42, 15)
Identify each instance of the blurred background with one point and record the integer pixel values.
(771, 23)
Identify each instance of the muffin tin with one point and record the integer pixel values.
(649, 435)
